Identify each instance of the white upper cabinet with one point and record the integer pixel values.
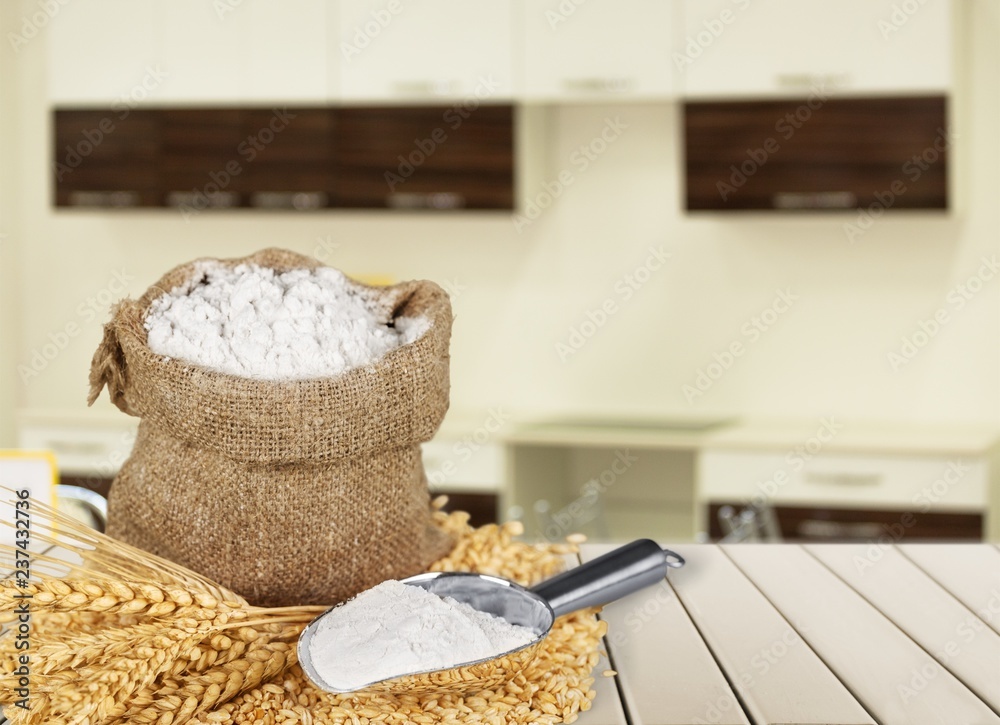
(189, 52)
(424, 50)
(598, 50)
(98, 52)
(288, 52)
(173, 52)
(201, 46)
(768, 48)
(244, 52)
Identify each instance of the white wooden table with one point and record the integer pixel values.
(834, 634)
(829, 634)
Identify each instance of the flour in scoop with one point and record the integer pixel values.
(394, 629)
(255, 322)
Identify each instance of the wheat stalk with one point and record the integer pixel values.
(114, 596)
(126, 637)
(112, 669)
(189, 696)
(102, 554)
(145, 640)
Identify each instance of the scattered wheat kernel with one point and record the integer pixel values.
(553, 689)
(576, 538)
(609, 673)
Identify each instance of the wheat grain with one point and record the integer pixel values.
(126, 626)
(131, 638)
(114, 597)
(554, 688)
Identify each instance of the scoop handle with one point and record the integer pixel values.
(612, 576)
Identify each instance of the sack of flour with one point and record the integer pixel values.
(287, 487)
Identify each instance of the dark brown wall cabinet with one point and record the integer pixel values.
(813, 154)
(424, 157)
(101, 160)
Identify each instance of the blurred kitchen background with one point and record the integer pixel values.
(719, 267)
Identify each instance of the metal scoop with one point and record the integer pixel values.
(618, 573)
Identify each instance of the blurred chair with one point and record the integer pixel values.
(753, 524)
(576, 517)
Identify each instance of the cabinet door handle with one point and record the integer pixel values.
(200, 200)
(117, 199)
(430, 200)
(805, 81)
(598, 85)
(819, 529)
(843, 479)
(297, 200)
(814, 200)
(425, 87)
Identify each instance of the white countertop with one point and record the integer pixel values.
(961, 439)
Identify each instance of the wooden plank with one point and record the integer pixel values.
(666, 673)
(941, 624)
(779, 678)
(896, 680)
(607, 706)
(971, 572)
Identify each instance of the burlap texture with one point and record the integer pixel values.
(287, 492)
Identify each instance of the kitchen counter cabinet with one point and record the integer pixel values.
(462, 462)
(664, 482)
(927, 481)
(822, 523)
(831, 479)
(605, 486)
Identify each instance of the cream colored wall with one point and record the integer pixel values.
(520, 293)
(9, 332)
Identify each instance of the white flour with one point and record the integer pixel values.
(256, 323)
(394, 629)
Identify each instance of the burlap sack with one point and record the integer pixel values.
(299, 492)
